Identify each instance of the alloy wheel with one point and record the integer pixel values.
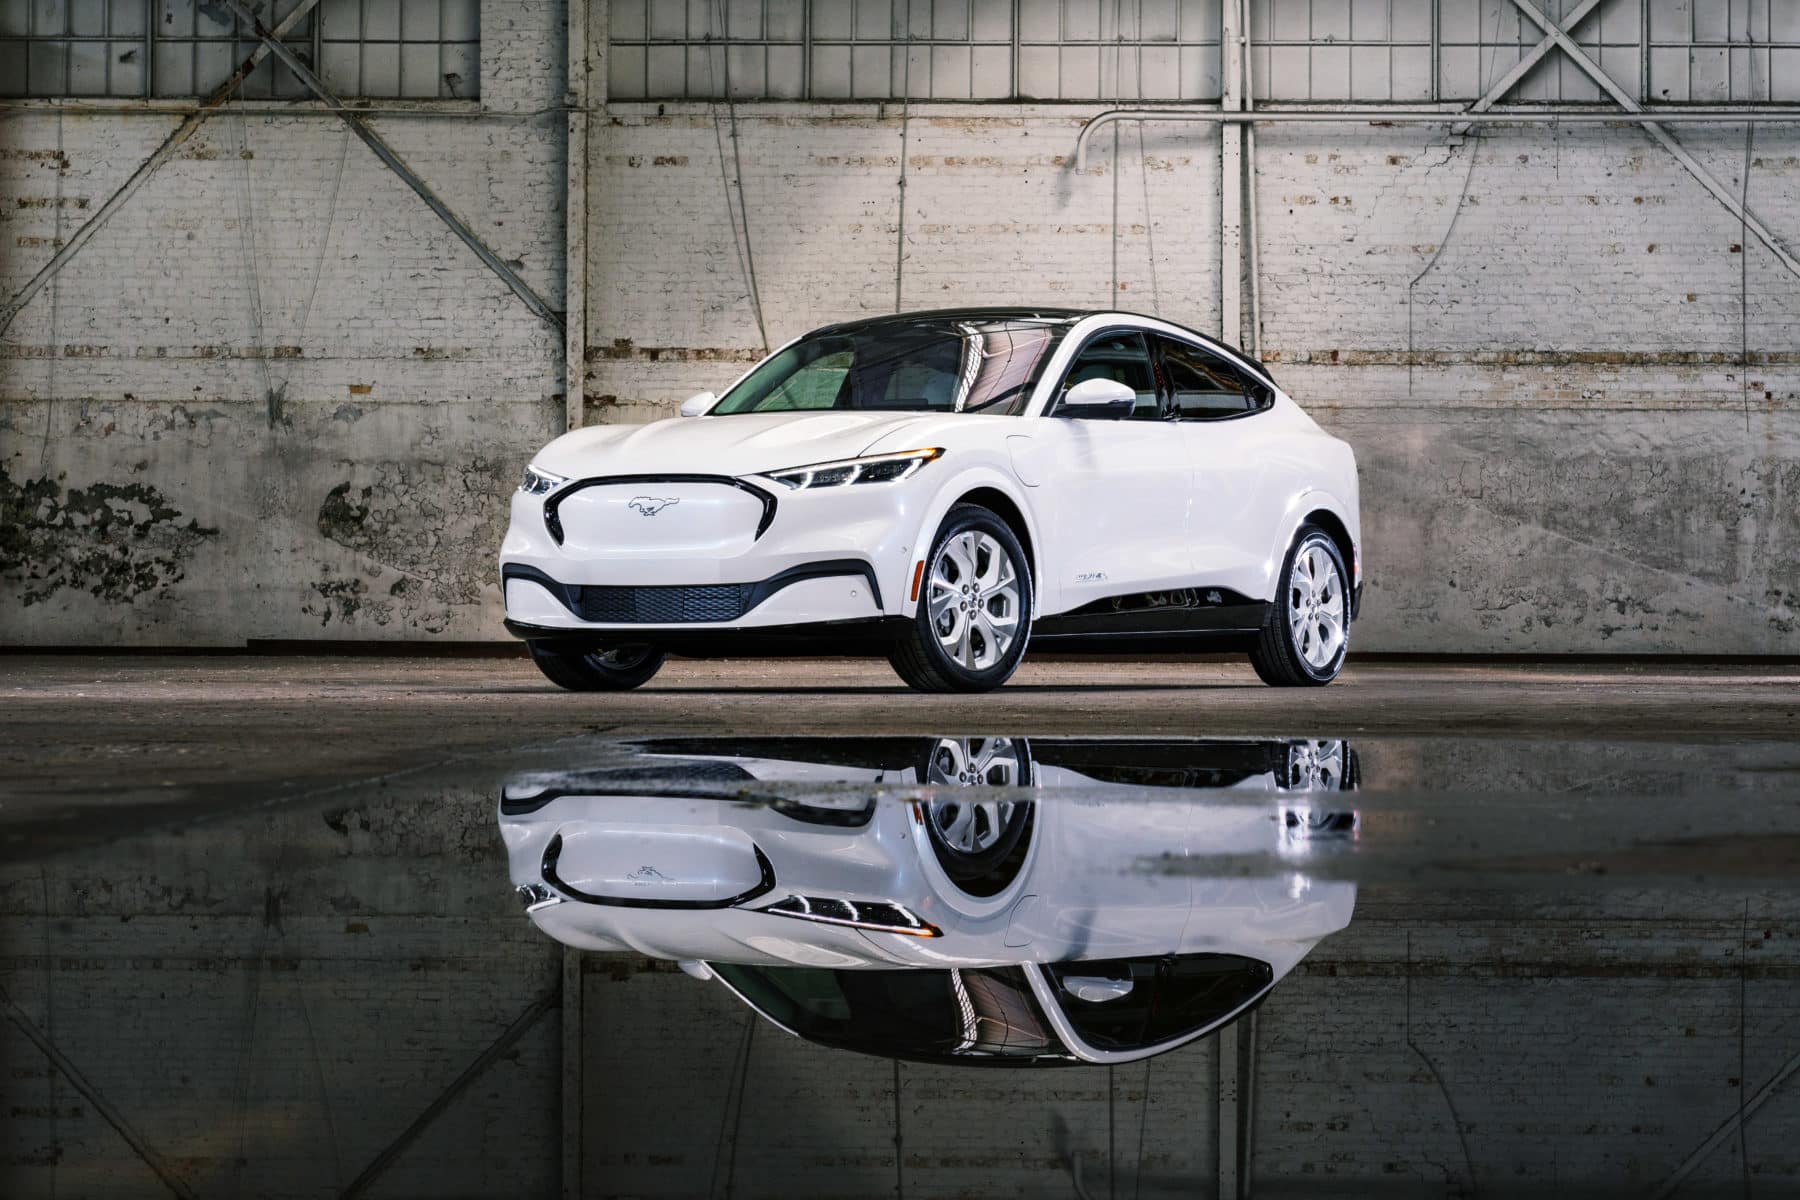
(973, 599)
(965, 827)
(1316, 606)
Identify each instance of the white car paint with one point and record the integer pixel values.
(1110, 507)
(1084, 890)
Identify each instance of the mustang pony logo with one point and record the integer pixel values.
(650, 505)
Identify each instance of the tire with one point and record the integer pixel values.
(980, 845)
(947, 648)
(1301, 645)
(586, 669)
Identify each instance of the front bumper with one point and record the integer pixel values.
(711, 556)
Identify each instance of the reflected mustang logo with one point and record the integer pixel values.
(651, 505)
(648, 875)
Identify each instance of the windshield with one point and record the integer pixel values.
(926, 366)
(972, 1017)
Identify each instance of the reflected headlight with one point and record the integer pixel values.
(876, 468)
(537, 483)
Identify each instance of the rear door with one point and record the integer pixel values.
(1220, 417)
(1121, 487)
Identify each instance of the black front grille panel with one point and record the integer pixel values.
(683, 604)
(660, 605)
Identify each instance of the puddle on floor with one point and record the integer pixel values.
(797, 967)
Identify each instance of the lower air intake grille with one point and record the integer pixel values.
(660, 605)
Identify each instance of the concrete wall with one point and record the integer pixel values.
(1532, 337)
(276, 399)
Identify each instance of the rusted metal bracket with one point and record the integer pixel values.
(397, 165)
(163, 154)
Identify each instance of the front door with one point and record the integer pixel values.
(1217, 413)
(1120, 487)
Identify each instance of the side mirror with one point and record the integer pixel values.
(1098, 399)
(1096, 989)
(697, 406)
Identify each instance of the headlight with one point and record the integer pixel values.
(876, 468)
(537, 483)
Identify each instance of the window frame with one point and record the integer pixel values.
(1054, 407)
(1255, 388)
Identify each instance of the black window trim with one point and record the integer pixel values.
(1254, 385)
(1156, 374)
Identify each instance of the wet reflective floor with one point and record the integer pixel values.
(965, 964)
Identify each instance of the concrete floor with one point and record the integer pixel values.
(139, 738)
(286, 949)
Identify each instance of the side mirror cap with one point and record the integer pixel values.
(698, 405)
(1096, 989)
(1099, 398)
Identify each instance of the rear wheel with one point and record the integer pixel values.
(585, 669)
(1307, 631)
(974, 613)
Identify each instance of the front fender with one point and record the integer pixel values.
(989, 476)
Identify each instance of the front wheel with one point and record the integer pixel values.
(1307, 632)
(974, 612)
(585, 669)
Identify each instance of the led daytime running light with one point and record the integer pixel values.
(876, 468)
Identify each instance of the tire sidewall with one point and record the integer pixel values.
(1312, 535)
(960, 520)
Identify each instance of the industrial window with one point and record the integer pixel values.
(366, 49)
(1724, 53)
(1373, 51)
(923, 49)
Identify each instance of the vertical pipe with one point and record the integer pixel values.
(1230, 1088)
(1250, 189)
(575, 213)
(1231, 180)
(573, 1051)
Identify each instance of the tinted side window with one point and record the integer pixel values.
(1123, 357)
(1205, 387)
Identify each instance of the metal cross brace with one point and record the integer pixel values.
(360, 127)
(1558, 34)
(163, 154)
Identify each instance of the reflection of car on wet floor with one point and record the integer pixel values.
(1089, 925)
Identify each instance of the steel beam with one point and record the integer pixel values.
(386, 154)
(92, 1095)
(1511, 79)
(575, 211)
(1630, 104)
(163, 154)
(1730, 1126)
(518, 1029)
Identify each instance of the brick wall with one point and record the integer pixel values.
(1560, 448)
(276, 366)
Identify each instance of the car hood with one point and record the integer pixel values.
(749, 444)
